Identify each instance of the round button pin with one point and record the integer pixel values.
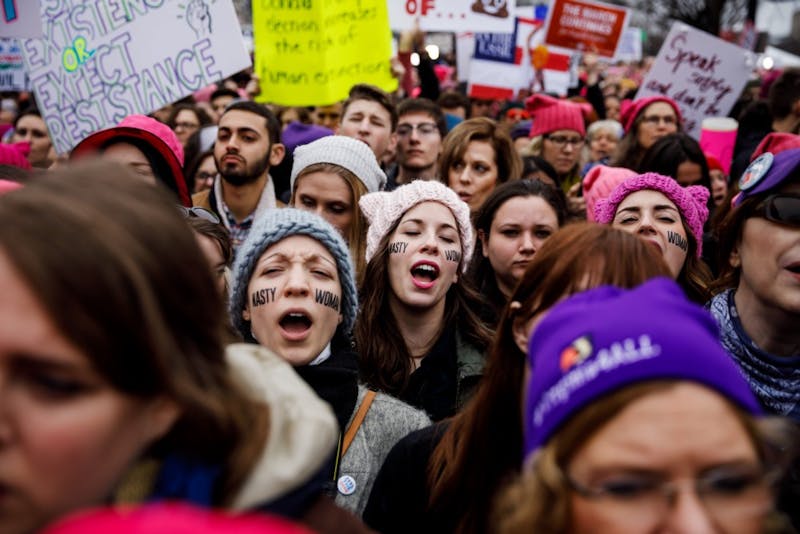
(346, 485)
(756, 171)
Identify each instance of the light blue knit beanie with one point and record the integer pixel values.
(273, 226)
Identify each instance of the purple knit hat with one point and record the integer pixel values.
(691, 201)
(602, 340)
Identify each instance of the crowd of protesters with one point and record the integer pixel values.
(403, 312)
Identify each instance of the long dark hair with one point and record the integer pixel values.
(482, 446)
(480, 271)
(385, 361)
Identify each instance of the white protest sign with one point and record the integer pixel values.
(630, 46)
(489, 16)
(95, 66)
(20, 18)
(12, 67)
(702, 73)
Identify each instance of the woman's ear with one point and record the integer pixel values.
(162, 414)
(246, 312)
(734, 259)
(484, 243)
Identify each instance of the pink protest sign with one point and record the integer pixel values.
(718, 137)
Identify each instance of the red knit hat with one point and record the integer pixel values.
(776, 142)
(630, 109)
(551, 114)
(713, 163)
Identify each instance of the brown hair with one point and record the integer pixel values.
(509, 163)
(629, 152)
(357, 237)
(385, 362)
(363, 91)
(538, 499)
(579, 256)
(106, 256)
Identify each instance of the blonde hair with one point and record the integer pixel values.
(356, 238)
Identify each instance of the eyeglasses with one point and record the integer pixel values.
(561, 140)
(655, 119)
(728, 493)
(200, 213)
(423, 128)
(781, 208)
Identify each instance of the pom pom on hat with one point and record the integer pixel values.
(599, 182)
(353, 155)
(384, 208)
(273, 226)
(691, 201)
(550, 114)
(605, 339)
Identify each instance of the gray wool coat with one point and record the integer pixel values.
(387, 421)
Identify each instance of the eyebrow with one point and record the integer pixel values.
(657, 207)
(308, 258)
(240, 129)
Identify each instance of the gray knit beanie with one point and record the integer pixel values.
(353, 155)
(273, 226)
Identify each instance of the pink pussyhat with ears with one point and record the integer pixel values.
(692, 201)
(630, 109)
(550, 114)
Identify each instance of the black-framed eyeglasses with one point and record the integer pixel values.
(563, 140)
(200, 213)
(781, 208)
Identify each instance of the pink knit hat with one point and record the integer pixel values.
(171, 518)
(551, 114)
(6, 186)
(156, 134)
(15, 154)
(384, 208)
(598, 184)
(691, 201)
(630, 109)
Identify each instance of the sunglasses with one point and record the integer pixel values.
(781, 208)
(200, 213)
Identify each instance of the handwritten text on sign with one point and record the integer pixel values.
(586, 26)
(703, 74)
(95, 66)
(311, 52)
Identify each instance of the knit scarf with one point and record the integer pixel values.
(335, 380)
(774, 379)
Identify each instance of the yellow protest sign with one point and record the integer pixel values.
(310, 52)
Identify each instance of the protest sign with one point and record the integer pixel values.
(500, 66)
(95, 66)
(311, 53)
(489, 16)
(20, 19)
(12, 67)
(630, 46)
(702, 73)
(585, 26)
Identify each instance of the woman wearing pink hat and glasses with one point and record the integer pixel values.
(646, 120)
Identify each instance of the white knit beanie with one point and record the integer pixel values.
(384, 208)
(353, 155)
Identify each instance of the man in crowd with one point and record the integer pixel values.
(420, 129)
(248, 144)
(369, 115)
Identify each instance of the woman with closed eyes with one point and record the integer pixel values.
(417, 336)
(670, 218)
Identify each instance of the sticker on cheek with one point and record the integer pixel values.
(397, 248)
(678, 240)
(326, 298)
(452, 255)
(262, 296)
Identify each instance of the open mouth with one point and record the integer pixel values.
(295, 324)
(424, 274)
(794, 268)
